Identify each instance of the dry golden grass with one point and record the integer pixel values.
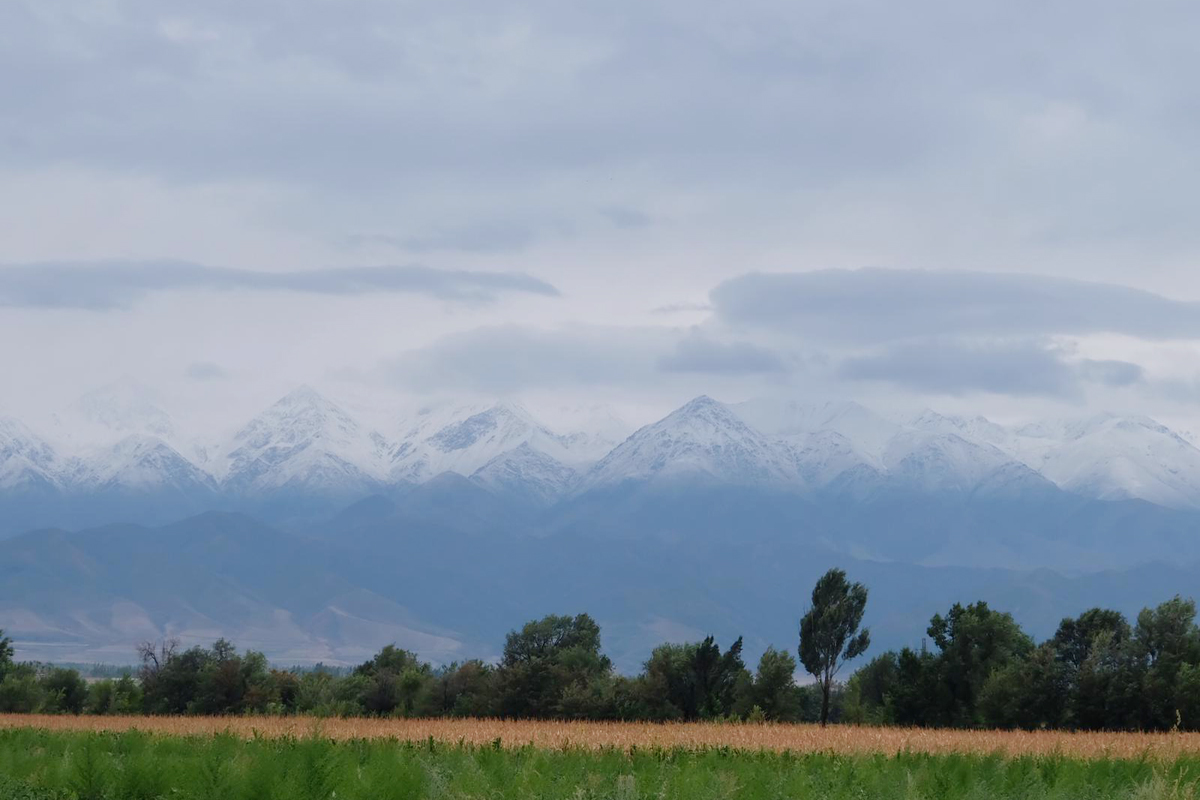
(796, 738)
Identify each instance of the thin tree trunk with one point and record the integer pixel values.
(824, 703)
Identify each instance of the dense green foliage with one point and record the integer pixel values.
(37, 765)
(551, 668)
(1097, 672)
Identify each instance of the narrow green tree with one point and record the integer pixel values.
(6, 653)
(829, 632)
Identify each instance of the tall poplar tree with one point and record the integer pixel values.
(829, 634)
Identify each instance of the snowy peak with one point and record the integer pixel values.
(141, 463)
(942, 462)
(705, 418)
(824, 457)
(465, 444)
(26, 460)
(1112, 457)
(704, 438)
(977, 428)
(499, 425)
(303, 412)
(303, 442)
(526, 472)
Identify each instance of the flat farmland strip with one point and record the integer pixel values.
(844, 739)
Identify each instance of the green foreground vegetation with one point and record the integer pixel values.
(40, 765)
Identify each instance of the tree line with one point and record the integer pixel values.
(551, 668)
(1097, 672)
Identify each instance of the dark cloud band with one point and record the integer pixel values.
(954, 367)
(882, 305)
(698, 354)
(111, 284)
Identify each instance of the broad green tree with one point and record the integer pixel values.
(870, 690)
(774, 687)
(974, 642)
(693, 681)
(1165, 640)
(1029, 693)
(65, 691)
(829, 631)
(1075, 638)
(545, 658)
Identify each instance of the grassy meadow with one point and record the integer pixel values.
(665, 763)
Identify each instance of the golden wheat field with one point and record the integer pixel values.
(555, 735)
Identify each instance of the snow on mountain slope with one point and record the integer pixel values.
(939, 462)
(703, 438)
(303, 442)
(118, 436)
(26, 460)
(464, 445)
(406, 450)
(976, 429)
(823, 457)
(1113, 457)
(526, 472)
(846, 446)
(140, 463)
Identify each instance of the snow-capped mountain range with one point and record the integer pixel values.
(307, 446)
(432, 528)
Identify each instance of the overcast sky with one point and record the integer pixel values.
(983, 206)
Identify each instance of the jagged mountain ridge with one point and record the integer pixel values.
(467, 442)
(306, 445)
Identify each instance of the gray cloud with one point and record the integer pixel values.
(206, 371)
(515, 358)
(484, 237)
(427, 89)
(374, 96)
(113, 284)
(679, 308)
(1111, 373)
(624, 217)
(633, 152)
(955, 367)
(699, 354)
(881, 305)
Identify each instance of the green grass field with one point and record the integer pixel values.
(139, 766)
